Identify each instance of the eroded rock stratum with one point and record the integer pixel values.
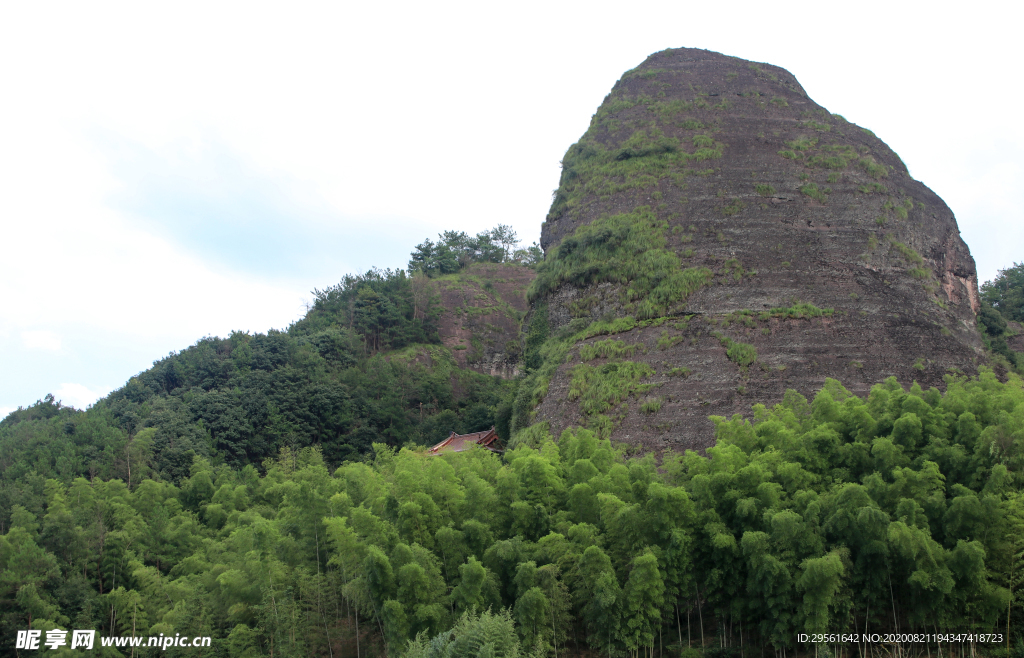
(718, 238)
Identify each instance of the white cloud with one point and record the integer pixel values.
(78, 396)
(41, 339)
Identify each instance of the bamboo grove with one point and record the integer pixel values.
(899, 512)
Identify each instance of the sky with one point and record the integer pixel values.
(170, 171)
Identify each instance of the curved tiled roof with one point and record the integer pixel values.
(459, 442)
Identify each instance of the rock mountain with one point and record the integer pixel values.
(717, 238)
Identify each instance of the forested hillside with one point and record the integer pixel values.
(272, 491)
(898, 512)
(366, 364)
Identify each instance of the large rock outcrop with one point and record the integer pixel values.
(481, 309)
(739, 240)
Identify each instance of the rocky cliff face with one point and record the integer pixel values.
(482, 308)
(718, 238)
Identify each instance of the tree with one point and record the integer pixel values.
(455, 250)
(643, 598)
(1014, 542)
(598, 596)
(769, 583)
(532, 612)
(1006, 292)
(505, 237)
(820, 582)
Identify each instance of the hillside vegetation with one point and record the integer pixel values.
(901, 511)
(274, 491)
(366, 364)
(269, 491)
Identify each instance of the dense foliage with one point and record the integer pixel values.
(1005, 293)
(899, 511)
(363, 366)
(271, 490)
(629, 249)
(455, 250)
(1002, 302)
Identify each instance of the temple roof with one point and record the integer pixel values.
(459, 442)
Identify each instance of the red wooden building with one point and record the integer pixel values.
(459, 442)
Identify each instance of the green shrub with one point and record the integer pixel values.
(628, 249)
(764, 189)
(761, 72)
(734, 267)
(907, 252)
(803, 143)
(820, 127)
(733, 208)
(489, 634)
(799, 310)
(607, 327)
(600, 389)
(679, 372)
(812, 190)
(873, 169)
(651, 406)
(609, 349)
(742, 353)
(666, 341)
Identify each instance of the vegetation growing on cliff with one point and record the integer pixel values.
(589, 168)
(454, 250)
(629, 249)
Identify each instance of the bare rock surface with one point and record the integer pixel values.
(789, 205)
